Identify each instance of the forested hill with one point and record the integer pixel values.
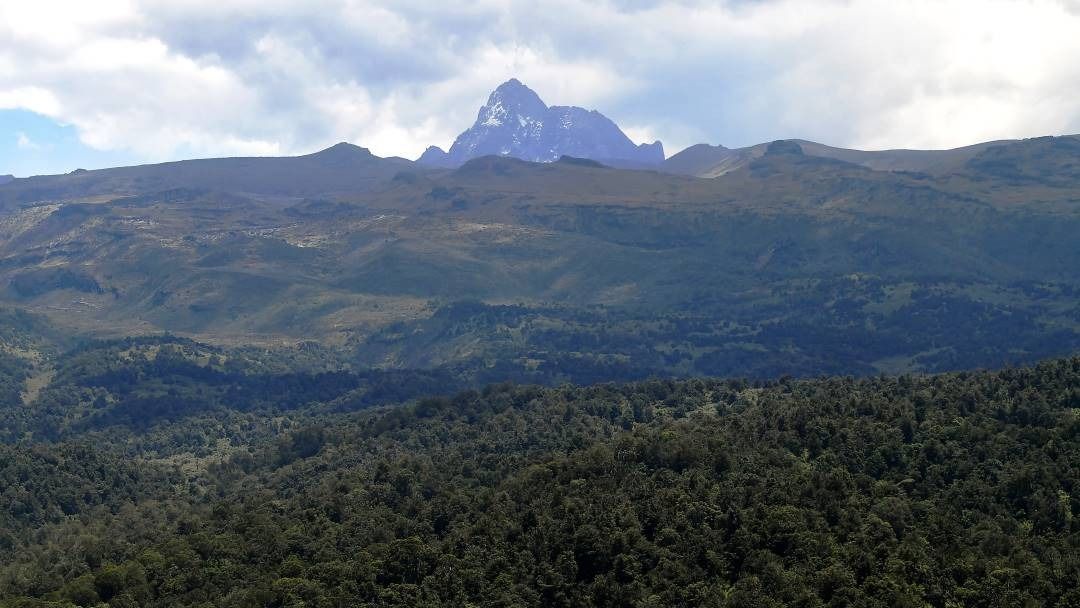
(960, 489)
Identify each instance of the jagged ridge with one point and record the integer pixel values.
(516, 122)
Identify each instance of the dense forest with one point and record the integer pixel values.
(856, 325)
(960, 489)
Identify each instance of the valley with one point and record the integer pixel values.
(549, 367)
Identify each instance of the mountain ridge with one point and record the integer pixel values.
(343, 167)
(706, 160)
(381, 258)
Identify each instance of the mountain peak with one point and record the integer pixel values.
(516, 122)
(511, 102)
(344, 147)
(512, 84)
(435, 156)
(514, 88)
(342, 153)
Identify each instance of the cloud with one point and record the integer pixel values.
(23, 142)
(34, 99)
(165, 78)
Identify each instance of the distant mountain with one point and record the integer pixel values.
(703, 160)
(435, 156)
(1050, 161)
(516, 122)
(343, 168)
(6, 178)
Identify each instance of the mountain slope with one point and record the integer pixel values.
(515, 122)
(343, 168)
(572, 270)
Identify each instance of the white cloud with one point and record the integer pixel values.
(165, 78)
(35, 99)
(23, 142)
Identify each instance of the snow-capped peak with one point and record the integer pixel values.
(516, 122)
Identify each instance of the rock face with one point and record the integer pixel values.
(784, 146)
(6, 178)
(516, 122)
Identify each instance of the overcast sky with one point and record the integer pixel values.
(104, 82)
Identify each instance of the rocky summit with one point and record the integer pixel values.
(516, 122)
